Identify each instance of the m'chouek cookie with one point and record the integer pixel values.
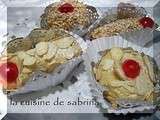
(70, 15)
(127, 20)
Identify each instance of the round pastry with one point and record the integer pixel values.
(127, 18)
(69, 15)
(126, 75)
(45, 56)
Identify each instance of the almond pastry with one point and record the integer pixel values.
(46, 56)
(126, 75)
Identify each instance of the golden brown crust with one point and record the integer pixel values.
(115, 28)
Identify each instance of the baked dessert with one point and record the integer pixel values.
(116, 27)
(35, 36)
(126, 75)
(69, 15)
(19, 44)
(128, 10)
(42, 35)
(127, 18)
(45, 56)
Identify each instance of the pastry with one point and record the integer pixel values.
(46, 56)
(128, 18)
(128, 10)
(41, 35)
(35, 36)
(68, 15)
(126, 75)
(116, 27)
(19, 44)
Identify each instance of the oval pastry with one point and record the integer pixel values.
(126, 19)
(48, 51)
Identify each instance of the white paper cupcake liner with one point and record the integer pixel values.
(139, 37)
(41, 80)
(93, 55)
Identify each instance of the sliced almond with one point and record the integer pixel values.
(41, 64)
(64, 42)
(21, 55)
(41, 48)
(31, 52)
(69, 54)
(107, 64)
(116, 53)
(29, 60)
(66, 53)
(143, 85)
(51, 52)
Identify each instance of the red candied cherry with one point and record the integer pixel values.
(66, 8)
(9, 72)
(146, 22)
(131, 68)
